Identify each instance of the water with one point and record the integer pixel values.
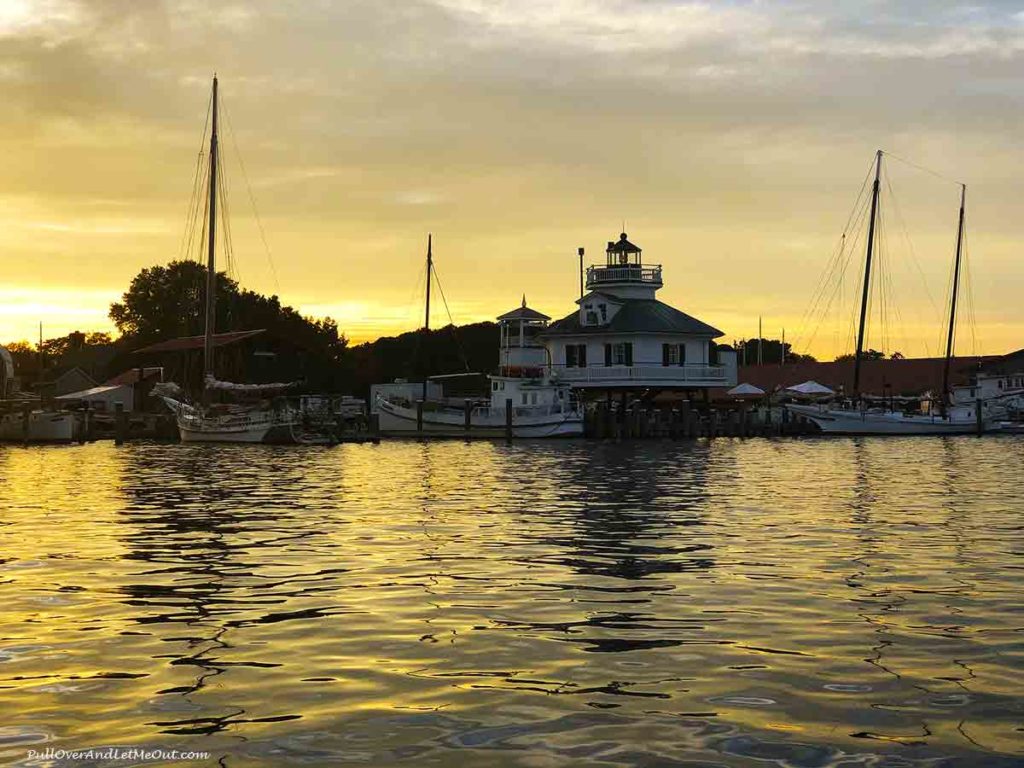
(727, 603)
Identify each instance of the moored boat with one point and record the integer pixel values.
(861, 419)
(526, 399)
(254, 420)
(39, 426)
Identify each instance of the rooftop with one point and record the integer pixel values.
(523, 313)
(877, 377)
(196, 342)
(636, 316)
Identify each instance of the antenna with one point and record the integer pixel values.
(580, 252)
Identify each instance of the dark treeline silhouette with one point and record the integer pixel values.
(166, 302)
(452, 349)
(771, 352)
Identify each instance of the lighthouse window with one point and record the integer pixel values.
(524, 398)
(494, 386)
(604, 312)
(622, 354)
(575, 355)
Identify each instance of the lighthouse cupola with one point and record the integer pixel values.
(623, 273)
(521, 351)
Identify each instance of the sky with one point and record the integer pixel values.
(730, 139)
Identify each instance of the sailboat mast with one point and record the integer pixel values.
(426, 319)
(211, 271)
(867, 277)
(952, 303)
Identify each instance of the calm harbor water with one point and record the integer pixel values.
(729, 603)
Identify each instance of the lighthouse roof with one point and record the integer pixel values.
(623, 245)
(636, 316)
(523, 312)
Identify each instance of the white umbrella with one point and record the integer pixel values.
(810, 388)
(745, 389)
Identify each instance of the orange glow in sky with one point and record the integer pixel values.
(731, 138)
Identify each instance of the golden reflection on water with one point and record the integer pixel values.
(797, 602)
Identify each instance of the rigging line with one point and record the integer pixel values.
(855, 212)
(947, 303)
(252, 200)
(451, 322)
(193, 203)
(836, 270)
(193, 210)
(919, 167)
(910, 247)
(835, 259)
(969, 284)
(225, 220)
(836, 290)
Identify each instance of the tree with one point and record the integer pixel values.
(867, 354)
(164, 302)
(771, 352)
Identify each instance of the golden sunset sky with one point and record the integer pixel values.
(731, 138)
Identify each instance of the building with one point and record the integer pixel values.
(910, 377)
(621, 337)
(131, 388)
(102, 399)
(999, 380)
(64, 381)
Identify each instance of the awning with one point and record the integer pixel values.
(810, 388)
(741, 390)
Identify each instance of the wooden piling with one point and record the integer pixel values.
(26, 420)
(467, 413)
(84, 435)
(120, 423)
(978, 420)
(508, 418)
(419, 417)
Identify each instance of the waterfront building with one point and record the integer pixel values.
(622, 337)
(999, 381)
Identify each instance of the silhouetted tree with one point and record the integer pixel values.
(869, 354)
(164, 302)
(771, 352)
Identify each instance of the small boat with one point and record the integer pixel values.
(526, 399)
(35, 425)
(862, 420)
(39, 426)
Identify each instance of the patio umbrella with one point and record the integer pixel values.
(810, 388)
(745, 390)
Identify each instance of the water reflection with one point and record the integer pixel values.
(727, 602)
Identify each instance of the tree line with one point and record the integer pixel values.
(165, 302)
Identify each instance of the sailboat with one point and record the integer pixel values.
(526, 400)
(952, 418)
(229, 423)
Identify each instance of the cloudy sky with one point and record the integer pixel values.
(732, 139)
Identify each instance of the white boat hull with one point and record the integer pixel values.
(400, 421)
(210, 434)
(249, 427)
(842, 422)
(43, 427)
